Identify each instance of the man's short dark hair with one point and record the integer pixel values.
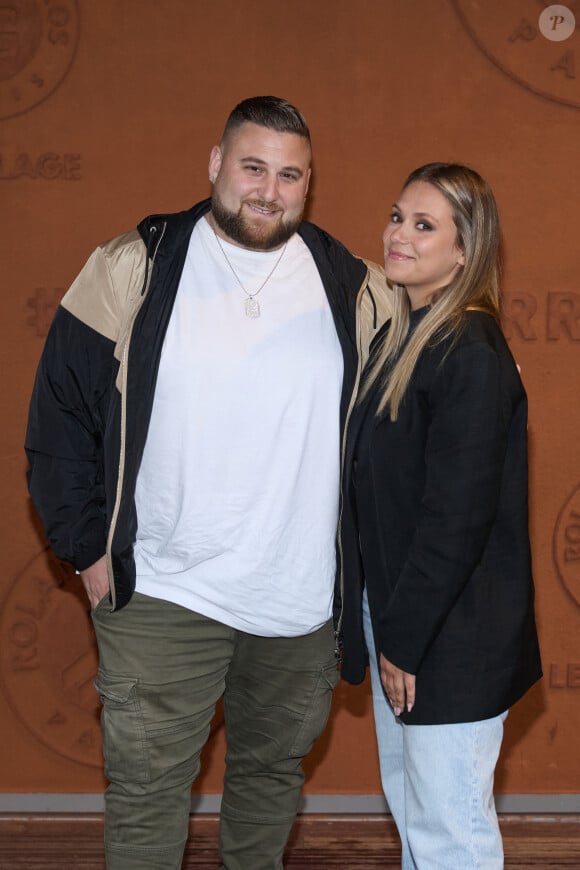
(271, 112)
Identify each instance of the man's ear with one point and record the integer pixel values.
(215, 162)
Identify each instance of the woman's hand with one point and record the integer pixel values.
(399, 686)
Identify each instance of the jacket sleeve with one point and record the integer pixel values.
(67, 418)
(465, 449)
(376, 306)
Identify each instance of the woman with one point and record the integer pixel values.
(434, 529)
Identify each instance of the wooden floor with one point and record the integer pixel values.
(74, 842)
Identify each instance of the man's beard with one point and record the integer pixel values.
(244, 232)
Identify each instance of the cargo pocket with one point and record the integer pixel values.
(101, 603)
(123, 729)
(318, 710)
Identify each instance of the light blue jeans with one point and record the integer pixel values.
(438, 782)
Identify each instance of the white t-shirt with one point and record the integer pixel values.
(237, 494)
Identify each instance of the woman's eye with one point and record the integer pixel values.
(423, 225)
(395, 218)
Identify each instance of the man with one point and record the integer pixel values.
(184, 444)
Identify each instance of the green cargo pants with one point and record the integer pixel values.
(162, 670)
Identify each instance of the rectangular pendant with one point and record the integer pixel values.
(252, 308)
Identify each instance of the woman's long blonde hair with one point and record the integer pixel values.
(476, 284)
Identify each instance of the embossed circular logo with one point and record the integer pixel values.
(566, 545)
(38, 40)
(48, 659)
(535, 43)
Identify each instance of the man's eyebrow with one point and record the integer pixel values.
(256, 160)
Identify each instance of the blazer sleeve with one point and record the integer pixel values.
(465, 449)
(67, 417)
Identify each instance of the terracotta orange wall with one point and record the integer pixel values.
(109, 110)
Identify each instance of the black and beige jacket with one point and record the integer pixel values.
(94, 388)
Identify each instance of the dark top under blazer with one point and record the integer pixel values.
(440, 506)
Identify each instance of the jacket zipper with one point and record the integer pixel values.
(122, 448)
(358, 329)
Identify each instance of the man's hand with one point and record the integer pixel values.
(399, 686)
(96, 581)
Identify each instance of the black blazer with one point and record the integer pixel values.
(439, 505)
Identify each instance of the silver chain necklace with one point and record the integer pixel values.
(252, 304)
